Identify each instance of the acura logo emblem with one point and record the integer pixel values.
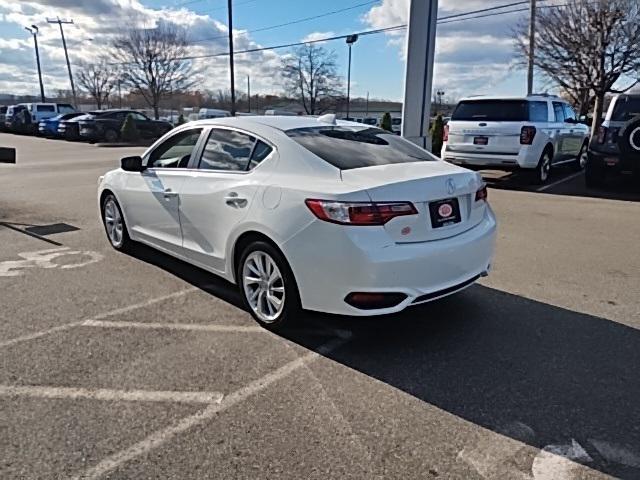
(451, 186)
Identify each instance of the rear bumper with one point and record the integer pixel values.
(527, 157)
(329, 262)
(616, 163)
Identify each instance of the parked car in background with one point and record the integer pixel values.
(396, 125)
(14, 119)
(42, 111)
(212, 113)
(3, 114)
(107, 125)
(305, 213)
(616, 148)
(70, 129)
(373, 121)
(49, 126)
(533, 133)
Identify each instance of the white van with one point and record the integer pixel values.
(212, 113)
(42, 111)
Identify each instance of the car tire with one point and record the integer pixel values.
(114, 224)
(594, 174)
(541, 174)
(110, 135)
(581, 159)
(270, 295)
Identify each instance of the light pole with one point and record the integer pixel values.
(231, 72)
(66, 55)
(34, 31)
(440, 94)
(351, 39)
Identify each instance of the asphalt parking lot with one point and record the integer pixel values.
(139, 366)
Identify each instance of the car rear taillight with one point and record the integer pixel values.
(359, 213)
(527, 134)
(445, 133)
(602, 134)
(482, 194)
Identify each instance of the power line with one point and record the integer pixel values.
(293, 22)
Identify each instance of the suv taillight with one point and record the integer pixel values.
(482, 194)
(445, 133)
(602, 134)
(527, 134)
(359, 213)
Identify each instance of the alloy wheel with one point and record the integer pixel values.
(263, 286)
(545, 168)
(113, 222)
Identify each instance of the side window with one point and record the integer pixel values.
(569, 113)
(138, 116)
(227, 150)
(175, 151)
(260, 152)
(538, 112)
(45, 108)
(558, 110)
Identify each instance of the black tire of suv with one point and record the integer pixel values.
(537, 173)
(594, 174)
(110, 135)
(629, 138)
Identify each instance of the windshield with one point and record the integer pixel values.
(626, 108)
(492, 111)
(358, 147)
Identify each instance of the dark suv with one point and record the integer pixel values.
(616, 148)
(106, 126)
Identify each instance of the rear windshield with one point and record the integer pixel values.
(626, 108)
(500, 111)
(357, 147)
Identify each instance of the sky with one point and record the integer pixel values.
(472, 57)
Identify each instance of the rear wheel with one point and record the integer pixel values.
(111, 135)
(542, 172)
(594, 174)
(267, 286)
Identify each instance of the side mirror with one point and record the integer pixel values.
(132, 164)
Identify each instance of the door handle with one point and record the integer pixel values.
(168, 193)
(233, 200)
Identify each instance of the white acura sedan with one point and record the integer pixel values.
(305, 213)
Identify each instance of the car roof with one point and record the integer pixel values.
(513, 97)
(283, 123)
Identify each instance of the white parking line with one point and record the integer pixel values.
(110, 395)
(174, 326)
(160, 437)
(562, 180)
(117, 311)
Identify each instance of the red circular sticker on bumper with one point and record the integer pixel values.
(445, 210)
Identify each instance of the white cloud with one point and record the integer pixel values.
(96, 22)
(318, 36)
(472, 56)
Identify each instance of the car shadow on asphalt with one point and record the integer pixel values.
(538, 373)
(619, 187)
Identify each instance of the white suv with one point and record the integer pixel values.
(534, 133)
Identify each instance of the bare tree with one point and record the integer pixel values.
(153, 62)
(97, 79)
(310, 77)
(587, 48)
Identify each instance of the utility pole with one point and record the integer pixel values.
(351, 39)
(66, 55)
(34, 31)
(367, 106)
(248, 94)
(231, 72)
(532, 45)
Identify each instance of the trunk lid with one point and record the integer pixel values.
(485, 137)
(423, 184)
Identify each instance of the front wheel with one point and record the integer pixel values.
(581, 159)
(114, 224)
(111, 136)
(267, 286)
